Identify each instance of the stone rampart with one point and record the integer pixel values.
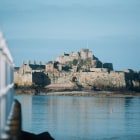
(104, 80)
(101, 80)
(29, 79)
(23, 80)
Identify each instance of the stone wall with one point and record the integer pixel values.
(59, 77)
(103, 80)
(23, 79)
(28, 79)
(85, 53)
(25, 68)
(99, 70)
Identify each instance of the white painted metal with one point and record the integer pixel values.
(6, 83)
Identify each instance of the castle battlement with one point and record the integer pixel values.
(83, 54)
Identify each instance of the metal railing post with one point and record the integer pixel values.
(6, 85)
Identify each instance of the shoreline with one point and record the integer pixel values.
(117, 94)
(93, 93)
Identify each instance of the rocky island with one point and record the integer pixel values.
(75, 71)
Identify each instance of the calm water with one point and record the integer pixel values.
(82, 118)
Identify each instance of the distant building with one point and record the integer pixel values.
(30, 68)
(83, 54)
(29, 74)
(51, 66)
(75, 62)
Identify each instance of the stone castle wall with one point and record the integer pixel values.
(91, 79)
(98, 79)
(23, 80)
(29, 79)
(102, 79)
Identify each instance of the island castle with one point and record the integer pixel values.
(84, 54)
(74, 71)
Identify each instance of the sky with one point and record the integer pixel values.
(42, 30)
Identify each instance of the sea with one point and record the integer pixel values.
(81, 118)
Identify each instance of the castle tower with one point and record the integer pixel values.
(84, 53)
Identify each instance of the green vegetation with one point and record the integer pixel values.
(81, 64)
(75, 61)
(84, 65)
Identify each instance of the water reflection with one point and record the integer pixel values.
(132, 115)
(26, 102)
(82, 118)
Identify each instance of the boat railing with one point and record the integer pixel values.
(6, 84)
